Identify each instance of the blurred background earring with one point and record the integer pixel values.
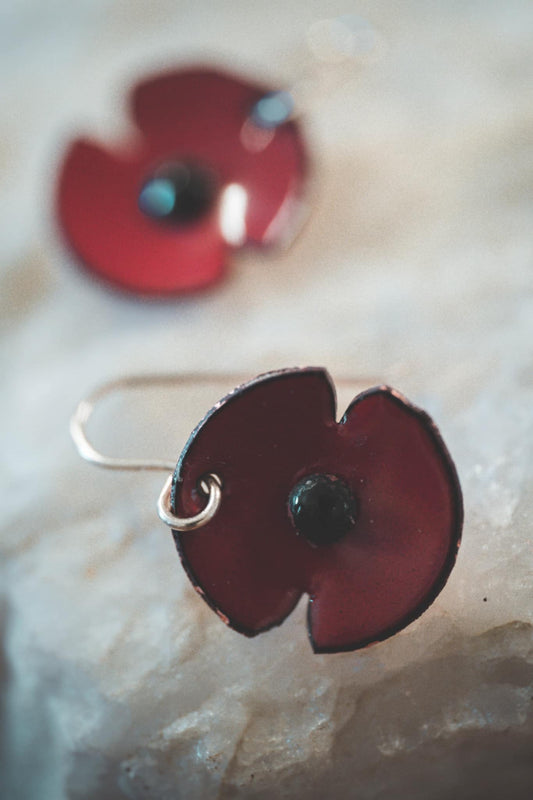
(217, 161)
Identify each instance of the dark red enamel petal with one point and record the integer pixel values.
(248, 562)
(169, 100)
(398, 558)
(205, 112)
(98, 207)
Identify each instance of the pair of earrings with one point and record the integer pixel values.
(271, 498)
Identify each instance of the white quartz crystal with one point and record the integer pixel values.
(416, 268)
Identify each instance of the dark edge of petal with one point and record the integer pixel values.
(233, 395)
(457, 497)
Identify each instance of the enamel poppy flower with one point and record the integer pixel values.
(362, 515)
(216, 162)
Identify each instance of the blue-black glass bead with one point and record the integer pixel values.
(322, 508)
(178, 192)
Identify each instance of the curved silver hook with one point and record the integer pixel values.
(85, 409)
(211, 484)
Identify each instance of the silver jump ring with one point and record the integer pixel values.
(211, 485)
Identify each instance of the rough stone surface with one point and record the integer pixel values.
(416, 268)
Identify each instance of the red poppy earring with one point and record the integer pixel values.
(273, 498)
(216, 162)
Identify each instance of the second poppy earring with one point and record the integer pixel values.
(215, 162)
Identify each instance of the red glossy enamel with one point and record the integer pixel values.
(250, 564)
(197, 115)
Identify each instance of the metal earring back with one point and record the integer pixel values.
(213, 161)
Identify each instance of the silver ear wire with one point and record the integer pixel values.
(84, 411)
(210, 485)
(86, 407)
(335, 50)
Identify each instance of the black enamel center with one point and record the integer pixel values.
(179, 192)
(322, 508)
